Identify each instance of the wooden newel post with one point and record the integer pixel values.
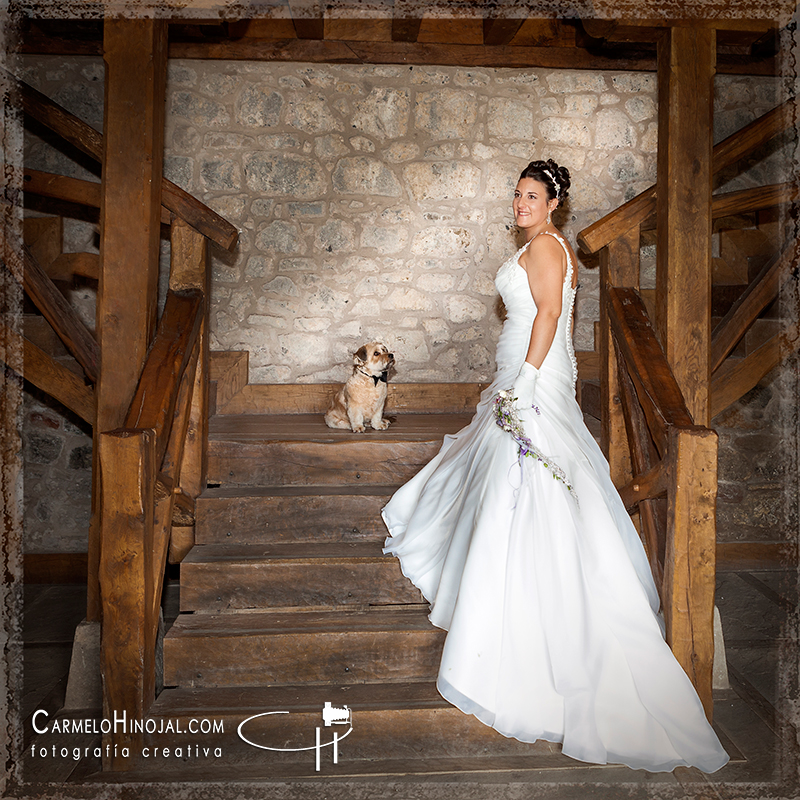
(689, 569)
(127, 463)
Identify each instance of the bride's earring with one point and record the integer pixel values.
(549, 216)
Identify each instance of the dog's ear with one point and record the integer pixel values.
(360, 356)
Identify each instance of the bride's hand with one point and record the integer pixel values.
(524, 386)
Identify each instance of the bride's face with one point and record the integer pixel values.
(531, 204)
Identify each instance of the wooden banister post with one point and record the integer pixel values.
(690, 558)
(127, 463)
(619, 266)
(686, 65)
(133, 141)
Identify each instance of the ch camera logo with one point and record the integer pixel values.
(331, 715)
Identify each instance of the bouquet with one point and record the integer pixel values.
(506, 417)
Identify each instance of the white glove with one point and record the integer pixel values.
(524, 386)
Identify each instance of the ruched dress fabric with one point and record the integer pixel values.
(549, 603)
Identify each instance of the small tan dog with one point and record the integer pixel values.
(363, 396)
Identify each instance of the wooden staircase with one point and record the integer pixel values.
(287, 602)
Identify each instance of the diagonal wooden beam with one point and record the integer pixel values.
(88, 140)
(736, 377)
(758, 295)
(55, 379)
(57, 311)
(727, 152)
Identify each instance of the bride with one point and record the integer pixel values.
(519, 541)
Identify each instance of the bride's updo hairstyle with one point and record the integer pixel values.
(555, 178)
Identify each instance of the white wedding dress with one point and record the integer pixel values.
(549, 603)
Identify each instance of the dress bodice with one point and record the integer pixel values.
(512, 347)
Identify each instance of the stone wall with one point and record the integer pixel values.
(374, 202)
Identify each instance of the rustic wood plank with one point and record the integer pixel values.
(229, 372)
(44, 237)
(405, 29)
(753, 135)
(610, 227)
(644, 458)
(153, 405)
(90, 141)
(181, 542)
(68, 265)
(292, 514)
(135, 56)
(500, 31)
(656, 387)
(61, 315)
(222, 578)
(689, 571)
(416, 53)
(316, 398)
(333, 646)
(758, 295)
(297, 463)
(55, 568)
(189, 270)
(683, 206)
(736, 377)
(619, 266)
(750, 556)
(48, 375)
(758, 198)
(127, 461)
(645, 486)
(73, 190)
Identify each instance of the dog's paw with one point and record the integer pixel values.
(358, 429)
(380, 425)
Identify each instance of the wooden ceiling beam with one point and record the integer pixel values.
(500, 31)
(308, 19)
(406, 21)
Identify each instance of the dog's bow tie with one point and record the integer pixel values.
(381, 377)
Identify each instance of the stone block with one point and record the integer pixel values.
(640, 108)
(443, 242)
(385, 240)
(462, 308)
(217, 84)
(310, 113)
(565, 131)
(442, 180)
(290, 175)
(383, 113)
(330, 146)
(220, 174)
(281, 237)
(200, 111)
(258, 107)
(364, 175)
(335, 236)
(571, 83)
(509, 119)
(446, 113)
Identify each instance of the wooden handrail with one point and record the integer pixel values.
(153, 405)
(727, 152)
(755, 199)
(758, 295)
(88, 140)
(656, 387)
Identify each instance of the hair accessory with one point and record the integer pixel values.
(553, 179)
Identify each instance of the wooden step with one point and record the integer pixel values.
(253, 515)
(266, 648)
(218, 578)
(397, 721)
(300, 450)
